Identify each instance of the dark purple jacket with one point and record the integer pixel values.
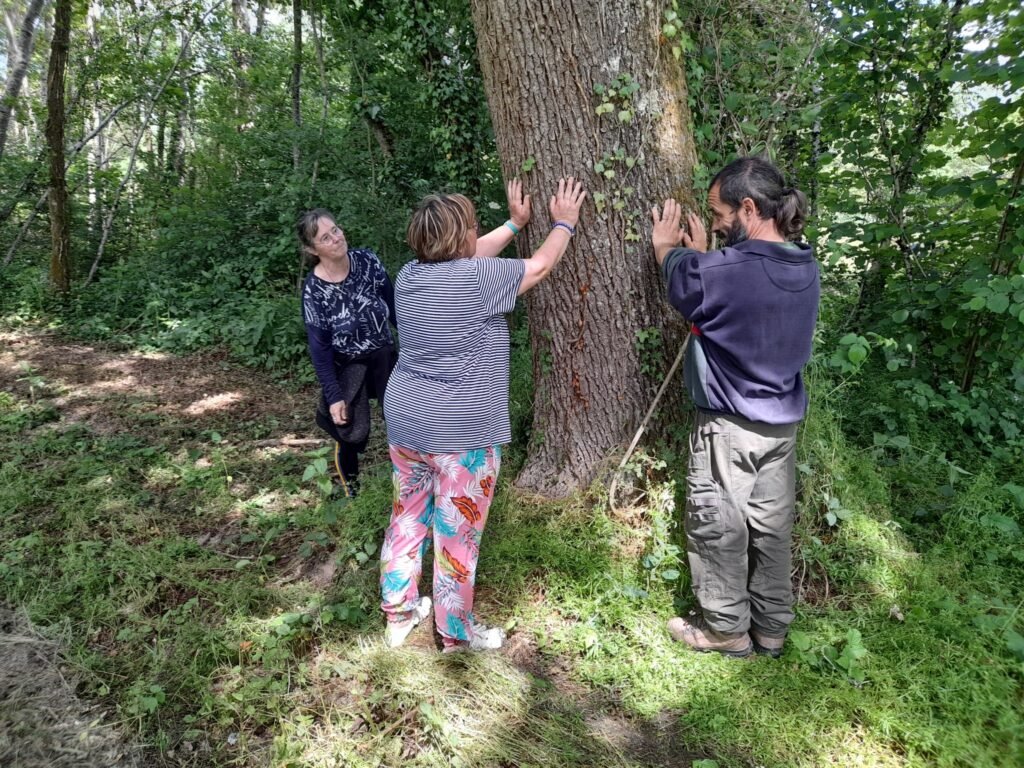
(753, 307)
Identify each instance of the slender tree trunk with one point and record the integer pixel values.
(99, 148)
(44, 39)
(325, 96)
(261, 17)
(543, 69)
(904, 169)
(26, 185)
(22, 54)
(240, 15)
(60, 231)
(296, 80)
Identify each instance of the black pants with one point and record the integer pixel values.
(346, 454)
(380, 363)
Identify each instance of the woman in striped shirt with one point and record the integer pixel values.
(446, 404)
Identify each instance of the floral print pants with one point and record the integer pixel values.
(449, 493)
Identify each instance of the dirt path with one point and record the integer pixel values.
(107, 390)
(42, 722)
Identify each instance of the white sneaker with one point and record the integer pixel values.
(396, 631)
(484, 639)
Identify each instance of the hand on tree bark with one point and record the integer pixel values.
(566, 203)
(518, 204)
(697, 236)
(667, 233)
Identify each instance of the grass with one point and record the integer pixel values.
(186, 579)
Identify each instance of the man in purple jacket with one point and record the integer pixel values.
(753, 305)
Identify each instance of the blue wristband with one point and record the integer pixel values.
(513, 227)
(567, 227)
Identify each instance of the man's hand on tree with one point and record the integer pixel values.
(697, 236)
(667, 234)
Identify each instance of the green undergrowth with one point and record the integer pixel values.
(225, 608)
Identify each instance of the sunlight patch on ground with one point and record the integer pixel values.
(209, 403)
(852, 746)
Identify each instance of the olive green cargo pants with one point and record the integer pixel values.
(741, 492)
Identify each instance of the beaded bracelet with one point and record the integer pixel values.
(567, 227)
(513, 227)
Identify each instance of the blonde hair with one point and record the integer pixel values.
(439, 227)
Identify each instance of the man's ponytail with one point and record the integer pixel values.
(759, 179)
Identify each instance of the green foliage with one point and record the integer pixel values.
(919, 180)
(317, 470)
(617, 96)
(735, 55)
(846, 657)
(650, 348)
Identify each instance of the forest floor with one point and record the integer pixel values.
(186, 406)
(180, 586)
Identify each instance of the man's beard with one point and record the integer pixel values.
(735, 234)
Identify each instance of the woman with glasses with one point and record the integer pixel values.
(348, 308)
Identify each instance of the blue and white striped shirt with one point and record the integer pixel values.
(449, 391)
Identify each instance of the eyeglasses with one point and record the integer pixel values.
(330, 235)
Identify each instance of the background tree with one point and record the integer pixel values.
(60, 229)
(19, 55)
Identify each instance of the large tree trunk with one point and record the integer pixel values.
(60, 231)
(543, 66)
(18, 60)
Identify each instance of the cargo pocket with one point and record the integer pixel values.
(703, 530)
(704, 516)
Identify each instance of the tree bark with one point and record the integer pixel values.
(296, 80)
(18, 67)
(261, 17)
(541, 63)
(60, 230)
(94, 169)
(240, 16)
